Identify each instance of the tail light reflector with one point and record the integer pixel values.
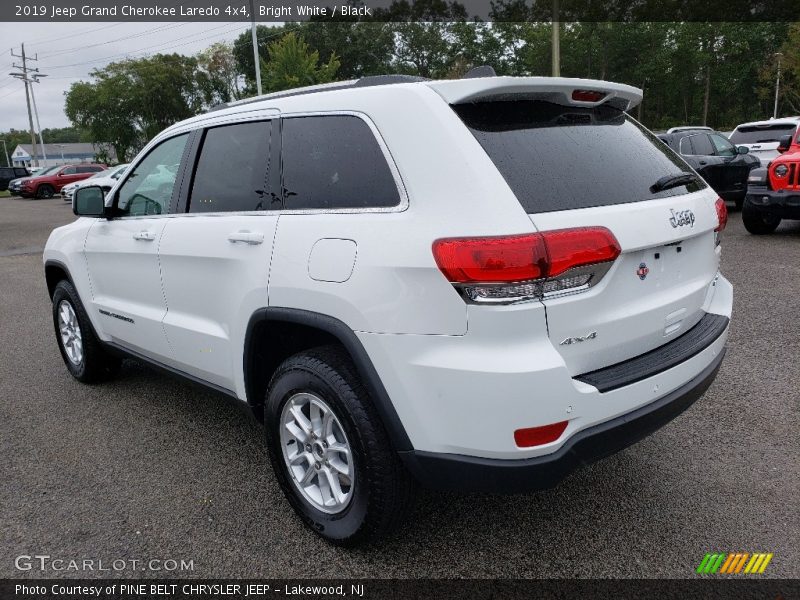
(536, 436)
(522, 267)
(722, 215)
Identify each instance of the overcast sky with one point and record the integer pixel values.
(69, 51)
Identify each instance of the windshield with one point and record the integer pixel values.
(103, 173)
(762, 134)
(557, 157)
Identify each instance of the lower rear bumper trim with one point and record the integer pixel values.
(475, 474)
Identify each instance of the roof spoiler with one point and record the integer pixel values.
(558, 90)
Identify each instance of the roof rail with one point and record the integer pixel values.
(372, 80)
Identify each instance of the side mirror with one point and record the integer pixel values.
(742, 149)
(89, 201)
(784, 142)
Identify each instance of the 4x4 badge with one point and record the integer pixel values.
(642, 271)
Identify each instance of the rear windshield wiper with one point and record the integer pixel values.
(674, 180)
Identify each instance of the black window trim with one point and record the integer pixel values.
(387, 155)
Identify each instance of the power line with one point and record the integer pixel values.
(114, 41)
(14, 91)
(49, 40)
(147, 48)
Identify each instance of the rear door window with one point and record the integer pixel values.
(701, 145)
(334, 162)
(232, 170)
(564, 157)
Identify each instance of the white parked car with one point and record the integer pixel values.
(762, 137)
(475, 284)
(106, 178)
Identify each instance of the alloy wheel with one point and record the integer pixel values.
(317, 452)
(70, 331)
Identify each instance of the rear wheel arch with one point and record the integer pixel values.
(274, 334)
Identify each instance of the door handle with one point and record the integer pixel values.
(246, 237)
(702, 162)
(145, 236)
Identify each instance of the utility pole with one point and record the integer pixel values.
(777, 86)
(24, 76)
(256, 59)
(36, 114)
(556, 41)
(5, 148)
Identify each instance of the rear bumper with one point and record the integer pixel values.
(466, 473)
(782, 203)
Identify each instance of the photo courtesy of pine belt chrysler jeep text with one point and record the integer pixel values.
(475, 284)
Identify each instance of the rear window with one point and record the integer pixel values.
(562, 157)
(334, 162)
(762, 134)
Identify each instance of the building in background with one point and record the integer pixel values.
(63, 154)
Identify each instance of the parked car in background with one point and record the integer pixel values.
(689, 128)
(762, 137)
(104, 179)
(9, 174)
(49, 184)
(15, 186)
(724, 166)
(773, 193)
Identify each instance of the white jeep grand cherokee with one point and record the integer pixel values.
(476, 284)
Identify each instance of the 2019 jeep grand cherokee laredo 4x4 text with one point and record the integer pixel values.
(476, 284)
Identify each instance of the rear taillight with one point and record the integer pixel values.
(514, 268)
(722, 215)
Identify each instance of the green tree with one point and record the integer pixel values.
(292, 64)
(218, 74)
(129, 102)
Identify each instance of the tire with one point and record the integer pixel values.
(380, 491)
(758, 222)
(45, 191)
(91, 363)
(739, 203)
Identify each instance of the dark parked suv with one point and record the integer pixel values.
(724, 166)
(7, 174)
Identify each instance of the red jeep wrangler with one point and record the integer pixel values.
(773, 192)
(48, 185)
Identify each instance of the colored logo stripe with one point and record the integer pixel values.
(734, 563)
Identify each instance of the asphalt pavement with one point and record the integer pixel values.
(148, 467)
